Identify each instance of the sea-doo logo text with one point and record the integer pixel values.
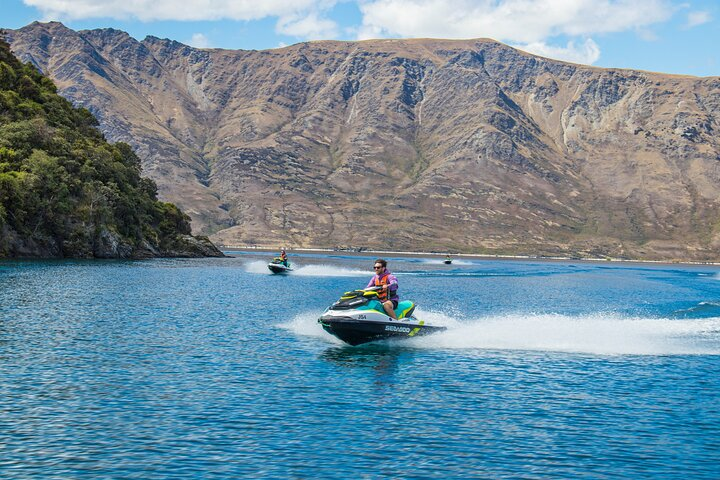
(362, 317)
(393, 328)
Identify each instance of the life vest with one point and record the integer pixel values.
(381, 280)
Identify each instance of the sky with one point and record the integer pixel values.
(670, 36)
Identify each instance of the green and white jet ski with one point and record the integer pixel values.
(358, 317)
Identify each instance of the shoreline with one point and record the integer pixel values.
(482, 256)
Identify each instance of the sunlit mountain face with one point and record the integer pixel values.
(406, 144)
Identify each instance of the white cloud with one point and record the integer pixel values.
(530, 23)
(198, 40)
(300, 18)
(698, 18)
(587, 53)
(185, 10)
(541, 26)
(508, 20)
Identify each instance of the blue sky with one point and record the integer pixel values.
(672, 36)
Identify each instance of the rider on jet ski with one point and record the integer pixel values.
(388, 282)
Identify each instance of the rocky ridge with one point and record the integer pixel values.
(467, 146)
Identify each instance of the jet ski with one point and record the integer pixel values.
(277, 265)
(358, 317)
(447, 261)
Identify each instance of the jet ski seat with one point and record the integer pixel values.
(404, 309)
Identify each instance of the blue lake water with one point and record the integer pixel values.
(214, 368)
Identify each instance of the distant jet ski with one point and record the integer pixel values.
(358, 317)
(447, 260)
(277, 265)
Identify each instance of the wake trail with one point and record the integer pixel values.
(596, 334)
(602, 334)
(260, 266)
(330, 271)
(442, 262)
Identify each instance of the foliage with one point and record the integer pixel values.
(60, 181)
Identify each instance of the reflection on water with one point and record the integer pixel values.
(381, 359)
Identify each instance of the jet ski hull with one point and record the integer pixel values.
(355, 332)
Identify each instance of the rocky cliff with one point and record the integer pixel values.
(406, 144)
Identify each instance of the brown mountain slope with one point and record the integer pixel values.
(406, 144)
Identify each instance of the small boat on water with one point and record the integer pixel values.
(358, 317)
(447, 260)
(278, 265)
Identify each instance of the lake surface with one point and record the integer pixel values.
(214, 368)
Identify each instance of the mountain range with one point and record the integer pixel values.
(424, 145)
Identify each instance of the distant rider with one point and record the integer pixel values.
(283, 257)
(388, 282)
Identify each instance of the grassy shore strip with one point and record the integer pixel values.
(482, 256)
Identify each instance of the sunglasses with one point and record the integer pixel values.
(377, 268)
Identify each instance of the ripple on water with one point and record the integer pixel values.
(208, 368)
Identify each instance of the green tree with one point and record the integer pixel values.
(61, 182)
(7, 76)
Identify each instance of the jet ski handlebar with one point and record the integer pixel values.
(362, 292)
